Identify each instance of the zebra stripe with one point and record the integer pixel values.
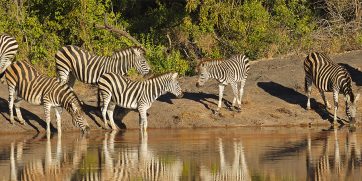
(73, 63)
(328, 76)
(25, 82)
(116, 89)
(8, 49)
(230, 71)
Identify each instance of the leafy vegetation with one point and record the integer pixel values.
(178, 33)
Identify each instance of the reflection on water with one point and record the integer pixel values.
(197, 154)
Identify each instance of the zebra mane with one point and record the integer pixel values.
(160, 75)
(208, 61)
(117, 52)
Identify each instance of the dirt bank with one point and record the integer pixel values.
(274, 96)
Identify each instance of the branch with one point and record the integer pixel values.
(119, 33)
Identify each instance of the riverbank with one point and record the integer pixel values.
(273, 96)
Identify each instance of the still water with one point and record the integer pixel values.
(187, 154)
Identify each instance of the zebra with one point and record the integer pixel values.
(25, 82)
(116, 89)
(73, 63)
(328, 76)
(8, 49)
(230, 71)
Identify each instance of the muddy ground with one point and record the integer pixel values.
(273, 96)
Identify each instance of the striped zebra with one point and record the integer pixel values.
(8, 49)
(74, 63)
(116, 89)
(25, 82)
(230, 71)
(328, 76)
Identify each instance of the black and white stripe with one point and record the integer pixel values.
(230, 71)
(8, 49)
(328, 76)
(73, 63)
(115, 90)
(25, 82)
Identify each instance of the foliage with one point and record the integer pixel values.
(178, 33)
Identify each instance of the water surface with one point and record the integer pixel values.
(187, 154)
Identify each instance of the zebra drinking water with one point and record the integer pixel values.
(230, 71)
(328, 76)
(73, 63)
(116, 89)
(8, 49)
(25, 82)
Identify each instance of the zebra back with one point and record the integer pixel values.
(327, 75)
(8, 49)
(88, 67)
(128, 93)
(235, 68)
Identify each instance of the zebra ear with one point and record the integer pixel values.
(174, 76)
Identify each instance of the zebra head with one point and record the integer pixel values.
(140, 62)
(175, 87)
(203, 74)
(351, 107)
(78, 116)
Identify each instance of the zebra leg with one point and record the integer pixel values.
(17, 109)
(11, 104)
(335, 97)
(143, 117)
(110, 111)
(221, 92)
(308, 90)
(241, 91)
(47, 108)
(106, 99)
(234, 86)
(58, 113)
(326, 103)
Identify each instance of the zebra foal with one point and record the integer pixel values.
(230, 71)
(25, 82)
(328, 76)
(115, 89)
(8, 49)
(74, 63)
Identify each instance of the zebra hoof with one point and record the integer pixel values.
(12, 121)
(238, 109)
(308, 108)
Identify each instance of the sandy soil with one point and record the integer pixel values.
(273, 96)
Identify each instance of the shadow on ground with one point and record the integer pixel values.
(27, 115)
(93, 112)
(355, 73)
(203, 99)
(293, 97)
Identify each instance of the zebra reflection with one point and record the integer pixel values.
(237, 170)
(129, 164)
(338, 164)
(58, 167)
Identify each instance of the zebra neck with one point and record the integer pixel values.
(68, 105)
(159, 86)
(120, 64)
(214, 71)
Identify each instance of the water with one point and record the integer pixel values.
(187, 154)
